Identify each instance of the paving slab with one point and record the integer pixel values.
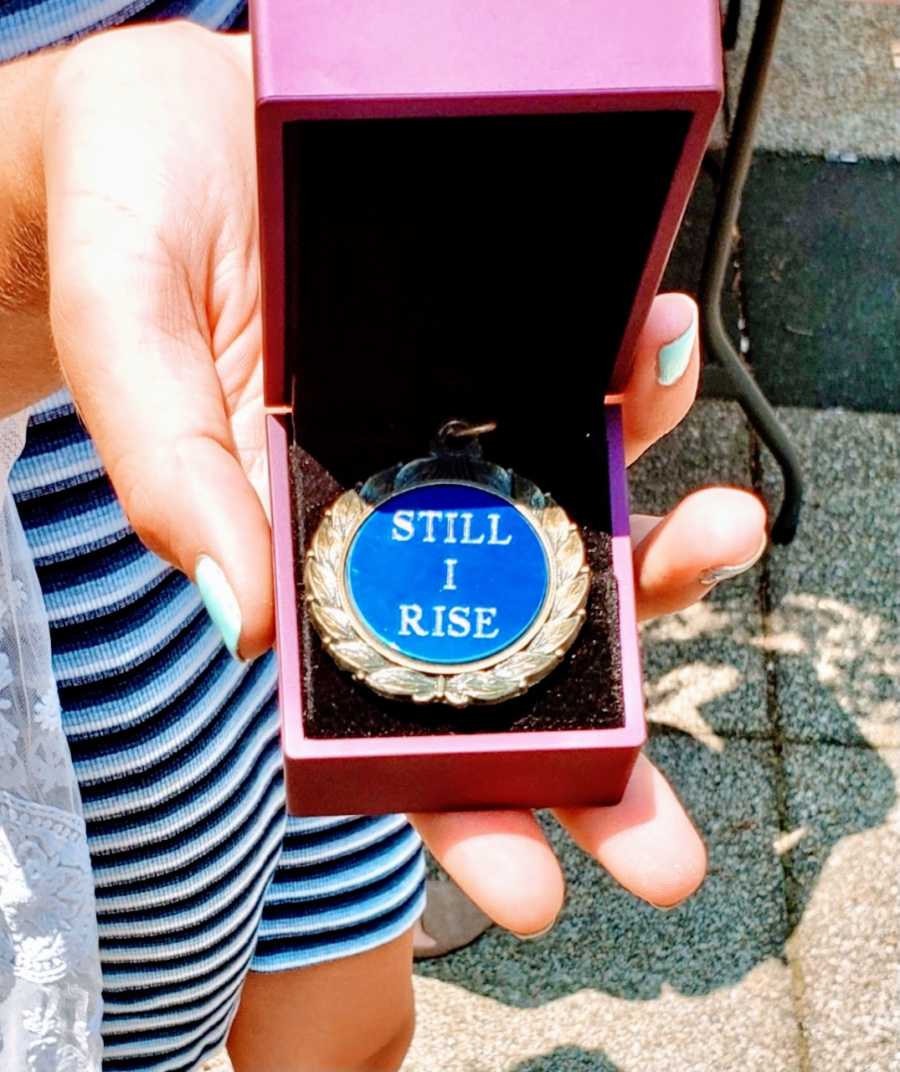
(745, 1027)
(620, 985)
(820, 258)
(704, 669)
(834, 628)
(833, 85)
(844, 892)
(686, 261)
(710, 446)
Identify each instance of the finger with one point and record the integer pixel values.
(144, 381)
(712, 535)
(132, 269)
(155, 411)
(664, 376)
(646, 842)
(501, 861)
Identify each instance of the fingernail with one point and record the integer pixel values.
(724, 573)
(674, 357)
(220, 601)
(537, 934)
(665, 907)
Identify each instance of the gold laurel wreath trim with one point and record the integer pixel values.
(507, 678)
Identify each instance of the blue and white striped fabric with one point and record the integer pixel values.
(30, 25)
(199, 876)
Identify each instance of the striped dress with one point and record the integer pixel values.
(199, 875)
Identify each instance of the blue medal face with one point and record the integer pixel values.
(447, 574)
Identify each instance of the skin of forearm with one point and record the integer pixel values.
(28, 366)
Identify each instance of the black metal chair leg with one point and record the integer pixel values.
(718, 346)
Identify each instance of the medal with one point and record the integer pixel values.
(447, 579)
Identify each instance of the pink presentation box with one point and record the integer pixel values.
(466, 207)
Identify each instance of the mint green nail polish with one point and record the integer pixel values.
(220, 601)
(675, 356)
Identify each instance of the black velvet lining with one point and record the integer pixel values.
(584, 692)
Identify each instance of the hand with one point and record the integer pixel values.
(152, 249)
(502, 859)
(150, 173)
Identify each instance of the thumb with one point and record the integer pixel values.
(145, 383)
(137, 237)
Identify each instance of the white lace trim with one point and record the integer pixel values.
(50, 980)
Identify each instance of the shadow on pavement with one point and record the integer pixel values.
(571, 1058)
(770, 811)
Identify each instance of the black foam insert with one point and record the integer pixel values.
(480, 268)
(584, 692)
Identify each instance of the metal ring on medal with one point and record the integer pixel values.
(446, 591)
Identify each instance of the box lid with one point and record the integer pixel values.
(396, 48)
(462, 74)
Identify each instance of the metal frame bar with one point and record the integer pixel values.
(744, 388)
